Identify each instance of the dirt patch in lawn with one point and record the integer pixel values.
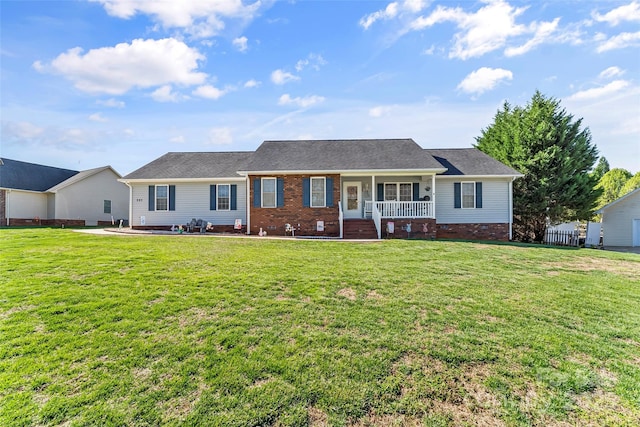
(347, 293)
(317, 418)
(627, 269)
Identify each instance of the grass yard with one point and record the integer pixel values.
(150, 330)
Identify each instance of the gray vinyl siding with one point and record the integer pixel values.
(495, 202)
(617, 221)
(192, 201)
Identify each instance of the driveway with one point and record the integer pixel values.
(626, 249)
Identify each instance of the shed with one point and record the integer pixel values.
(621, 220)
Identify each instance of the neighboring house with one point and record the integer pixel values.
(621, 221)
(32, 194)
(334, 188)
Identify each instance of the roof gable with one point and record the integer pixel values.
(341, 155)
(19, 175)
(193, 165)
(80, 176)
(634, 193)
(471, 162)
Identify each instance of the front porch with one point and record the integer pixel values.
(390, 202)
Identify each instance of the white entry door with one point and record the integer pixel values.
(352, 199)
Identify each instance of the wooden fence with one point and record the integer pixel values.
(561, 238)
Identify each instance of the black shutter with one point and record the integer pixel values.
(329, 191)
(234, 197)
(256, 193)
(457, 195)
(380, 193)
(152, 197)
(172, 197)
(279, 192)
(478, 195)
(306, 192)
(416, 191)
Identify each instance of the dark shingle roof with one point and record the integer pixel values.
(194, 165)
(341, 155)
(470, 161)
(30, 176)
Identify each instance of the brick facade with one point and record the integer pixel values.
(418, 230)
(304, 219)
(473, 231)
(35, 222)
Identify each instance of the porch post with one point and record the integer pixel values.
(433, 193)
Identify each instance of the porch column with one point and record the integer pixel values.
(433, 193)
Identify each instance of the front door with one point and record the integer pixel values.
(352, 199)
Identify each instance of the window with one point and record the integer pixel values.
(268, 192)
(318, 192)
(162, 197)
(224, 197)
(468, 195)
(394, 191)
(107, 206)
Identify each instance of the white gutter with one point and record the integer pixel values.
(7, 210)
(130, 203)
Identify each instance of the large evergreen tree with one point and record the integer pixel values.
(545, 143)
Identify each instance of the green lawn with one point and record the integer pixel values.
(150, 330)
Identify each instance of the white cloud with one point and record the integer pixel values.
(611, 72)
(393, 10)
(165, 94)
(199, 18)
(281, 77)
(209, 92)
(240, 43)
(177, 139)
(97, 117)
(484, 79)
(252, 83)
(379, 111)
(303, 102)
(629, 12)
(111, 102)
(143, 63)
(599, 92)
(313, 60)
(20, 130)
(620, 41)
(543, 32)
(483, 31)
(219, 136)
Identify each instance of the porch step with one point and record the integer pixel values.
(359, 229)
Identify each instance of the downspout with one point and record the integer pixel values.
(248, 206)
(433, 194)
(511, 209)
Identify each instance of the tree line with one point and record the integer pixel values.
(557, 157)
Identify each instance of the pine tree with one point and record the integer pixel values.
(546, 144)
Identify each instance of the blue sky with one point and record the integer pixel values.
(120, 82)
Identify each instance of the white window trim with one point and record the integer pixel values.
(397, 184)
(473, 185)
(218, 196)
(275, 190)
(156, 197)
(324, 190)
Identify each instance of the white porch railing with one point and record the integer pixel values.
(393, 209)
(377, 220)
(340, 218)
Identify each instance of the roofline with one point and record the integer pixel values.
(514, 176)
(599, 211)
(21, 189)
(351, 172)
(172, 180)
(92, 172)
